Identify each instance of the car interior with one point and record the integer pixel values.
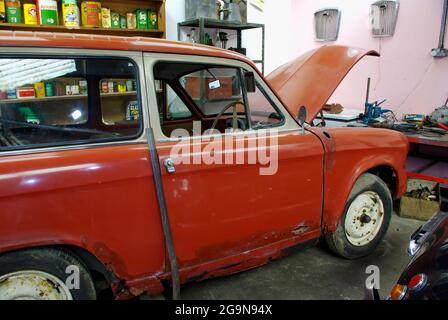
(220, 98)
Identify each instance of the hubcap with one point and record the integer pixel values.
(364, 218)
(33, 285)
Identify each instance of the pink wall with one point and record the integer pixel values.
(406, 74)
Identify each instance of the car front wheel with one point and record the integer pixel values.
(365, 220)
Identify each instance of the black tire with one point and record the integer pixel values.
(53, 262)
(338, 241)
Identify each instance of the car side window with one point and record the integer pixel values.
(60, 101)
(263, 113)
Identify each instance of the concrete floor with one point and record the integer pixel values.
(314, 273)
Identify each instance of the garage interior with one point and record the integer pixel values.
(401, 86)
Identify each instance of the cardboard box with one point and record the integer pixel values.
(420, 208)
(193, 87)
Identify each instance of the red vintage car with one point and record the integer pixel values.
(126, 163)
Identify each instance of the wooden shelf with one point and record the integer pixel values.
(102, 31)
(73, 97)
(120, 6)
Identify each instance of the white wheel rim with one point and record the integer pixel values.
(364, 218)
(33, 285)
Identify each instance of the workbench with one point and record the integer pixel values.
(428, 156)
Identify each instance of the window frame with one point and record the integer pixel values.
(89, 55)
(190, 103)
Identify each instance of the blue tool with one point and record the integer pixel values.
(372, 110)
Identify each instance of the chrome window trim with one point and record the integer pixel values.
(135, 56)
(150, 59)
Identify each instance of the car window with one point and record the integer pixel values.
(172, 107)
(49, 102)
(263, 112)
(212, 89)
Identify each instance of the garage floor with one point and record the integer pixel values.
(314, 273)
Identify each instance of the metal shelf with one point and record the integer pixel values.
(203, 23)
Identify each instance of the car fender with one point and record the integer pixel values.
(349, 153)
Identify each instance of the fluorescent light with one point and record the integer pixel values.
(18, 72)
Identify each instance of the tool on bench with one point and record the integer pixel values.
(372, 110)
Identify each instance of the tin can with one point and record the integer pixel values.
(115, 16)
(2, 11)
(26, 93)
(142, 19)
(91, 14)
(75, 89)
(11, 94)
(39, 88)
(13, 11)
(70, 13)
(104, 87)
(123, 22)
(105, 18)
(47, 12)
(49, 89)
(129, 85)
(110, 87)
(30, 13)
(121, 87)
(131, 20)
(132, 111)
(153, 21)
(83, 86)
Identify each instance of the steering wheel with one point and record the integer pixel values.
(234, 116)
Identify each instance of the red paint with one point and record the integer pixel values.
(224, 218)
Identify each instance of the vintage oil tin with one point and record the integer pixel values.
(49, 89)
(91, 14)
(11, 94)
(142, 19)
(26, 93)
(47, 12)
(106, 21)
(115, 17)
(153, 22)
(70, 13)
(131, 20)
(123, 22)
(30, 14)
(2, 11)
(13, 11)
(83, 86)
(39, 88)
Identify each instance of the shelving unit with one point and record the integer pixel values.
(120, 6)
(67, 97)
(203, 23)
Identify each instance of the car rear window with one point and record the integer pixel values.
(65, 101)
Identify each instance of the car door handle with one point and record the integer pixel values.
(169, 165)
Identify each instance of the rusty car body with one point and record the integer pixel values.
(98, 201)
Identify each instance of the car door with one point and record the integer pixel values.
(219, 210)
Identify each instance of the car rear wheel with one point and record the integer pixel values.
(365, 220)
(44, 274)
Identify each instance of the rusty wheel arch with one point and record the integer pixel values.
(389, 175)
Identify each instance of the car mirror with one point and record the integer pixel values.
(249, 79)
(302, 118)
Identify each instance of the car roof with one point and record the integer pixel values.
(102, 42)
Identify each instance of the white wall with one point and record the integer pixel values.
(406, 74)
(278, 21)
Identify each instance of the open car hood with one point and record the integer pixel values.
(311, 79)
